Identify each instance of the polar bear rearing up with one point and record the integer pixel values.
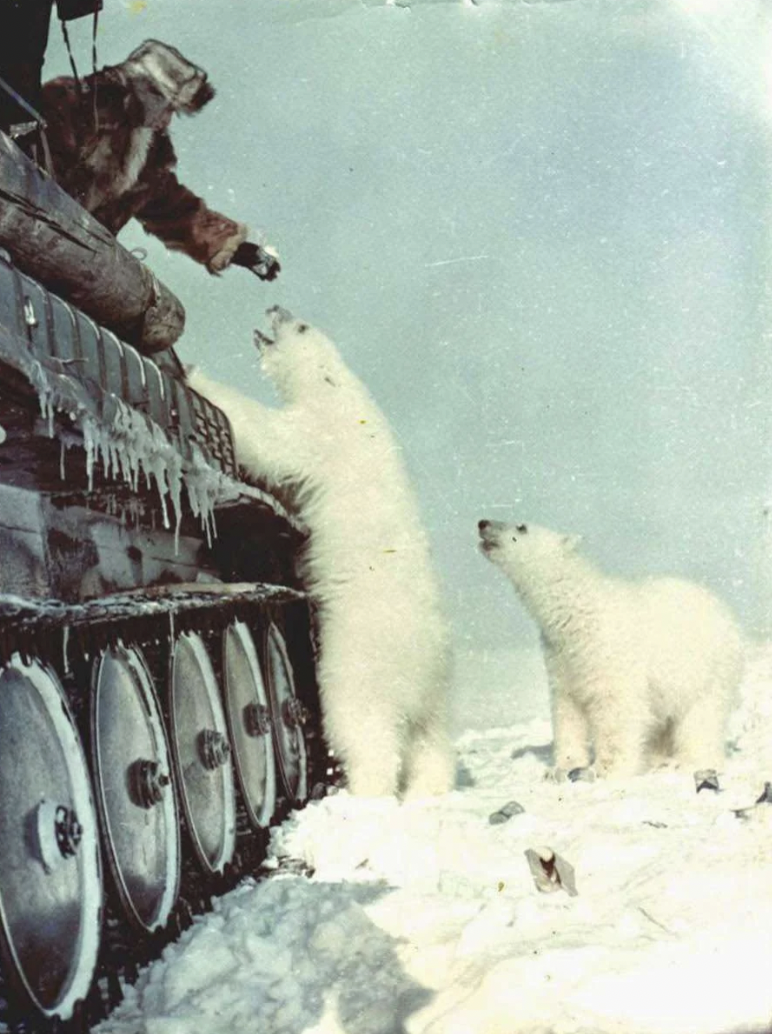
(384, 646)
(642, 671)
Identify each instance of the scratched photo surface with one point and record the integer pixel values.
(538, 232)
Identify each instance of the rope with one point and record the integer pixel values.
(75, 76)
(21, 102)
(94, 66)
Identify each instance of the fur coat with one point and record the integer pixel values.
(111, 150)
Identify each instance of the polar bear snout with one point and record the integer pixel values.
(489, 534)
(494, 529)
(278, 315)
(261, 340)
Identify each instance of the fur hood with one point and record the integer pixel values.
(165, 80)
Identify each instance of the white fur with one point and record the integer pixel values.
(384, 646)
(643, 671)
(120, 180)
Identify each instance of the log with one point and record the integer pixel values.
(56, 241)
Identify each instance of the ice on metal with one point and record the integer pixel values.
(131, 448)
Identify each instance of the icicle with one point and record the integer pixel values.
(65, 645)
(160, 481)
(46, 401)
(205, 486)
(88, 440)
(177, 525)
(134, 449)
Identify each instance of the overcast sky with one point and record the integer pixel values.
(538, 231)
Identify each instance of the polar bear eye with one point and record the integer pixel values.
(522, 528)
(302, 328)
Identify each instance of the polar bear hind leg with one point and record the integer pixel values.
(698, 737)
(571, 733)
(619, 723)
(367, 744)
(429, 767)
(695, 663)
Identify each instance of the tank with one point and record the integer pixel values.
(158, 701)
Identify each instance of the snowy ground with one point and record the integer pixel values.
(425, 918)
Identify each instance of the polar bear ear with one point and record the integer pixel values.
(572, 542)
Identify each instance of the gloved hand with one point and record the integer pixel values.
(256, 259)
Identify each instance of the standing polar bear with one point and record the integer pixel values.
(641, 671)
(384, 653)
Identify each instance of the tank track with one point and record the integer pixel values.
(67, 640)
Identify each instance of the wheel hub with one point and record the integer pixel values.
(257, 719)
(213, 748)
(147, 783)
(58, 834)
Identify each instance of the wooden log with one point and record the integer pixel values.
(56, 241)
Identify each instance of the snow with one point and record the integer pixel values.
(425, 918)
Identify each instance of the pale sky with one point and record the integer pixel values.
(538, 231)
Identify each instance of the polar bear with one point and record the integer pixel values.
(644, 672)
(384, 657)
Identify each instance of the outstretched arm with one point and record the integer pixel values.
(269, 443)
(182, 220)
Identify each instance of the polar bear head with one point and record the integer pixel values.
(522, 549)
(299, 359)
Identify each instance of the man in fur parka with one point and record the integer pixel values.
(111, 150)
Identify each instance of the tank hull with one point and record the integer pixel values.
(158, 700)
(54, 239)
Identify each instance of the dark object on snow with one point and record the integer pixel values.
(506, 813)
(464, 777)
(111, 150)
(257, 260)
(550, 871)
(287, 866)
(321, 790)
(706, 779)
(53, 240)
(581, 775)
(746, 813)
